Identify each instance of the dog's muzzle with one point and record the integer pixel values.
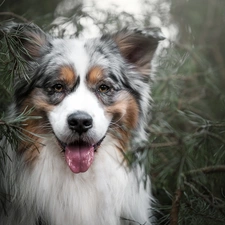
(79, 155)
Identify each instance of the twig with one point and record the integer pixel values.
(161, 145)
(174, 214)
(14, 15)
(133, 221)
(204, 197)
(196, 58)
(215, 136)
(204, 188)
(207, 170)
(204, 215)
(179, 77)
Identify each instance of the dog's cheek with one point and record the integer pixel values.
(40, 101)
(125, 113)
(34, 126)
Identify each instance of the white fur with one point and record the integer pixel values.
(106, 192)
(81, 100)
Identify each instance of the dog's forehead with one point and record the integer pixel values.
(71, 52)
(79, 53)
(83, 55)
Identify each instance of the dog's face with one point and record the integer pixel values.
(87, 90)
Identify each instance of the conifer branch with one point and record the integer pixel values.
(14, 15)
(204, 197)
(166, 144)
(207, 170)
(174, 214)
(203, 215)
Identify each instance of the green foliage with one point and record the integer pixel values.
(12, 66)
(187, 142)
(187, 134)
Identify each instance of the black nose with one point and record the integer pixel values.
(80, 122)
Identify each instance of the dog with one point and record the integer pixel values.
(88, 103)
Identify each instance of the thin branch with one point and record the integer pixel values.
(133, 221)
(14, 15)
(204, 197)
(196, 58)
(207, 170)
(215, 136)
(203, 214)
(179, 77)
(166, 144)
(174, 214)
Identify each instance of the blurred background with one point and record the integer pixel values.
(185, 155)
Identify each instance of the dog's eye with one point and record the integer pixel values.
(103, 88)
(58, 88)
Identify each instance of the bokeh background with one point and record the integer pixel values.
(185, 155)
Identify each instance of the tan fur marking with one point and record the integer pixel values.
(34, 128)
(38, 100)
(31, 148)
(125, 118)
(41, 104)
(95, 75)
(67, 75)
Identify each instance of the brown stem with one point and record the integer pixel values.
(161, 145)
(174, 214)
(14, 15)
(207, 170)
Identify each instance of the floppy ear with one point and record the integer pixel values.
(31, 41)
(138, 46)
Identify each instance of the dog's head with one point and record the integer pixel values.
(86, 89)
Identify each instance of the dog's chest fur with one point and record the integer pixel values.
(108, 193)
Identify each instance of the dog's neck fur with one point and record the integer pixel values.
(103, 195)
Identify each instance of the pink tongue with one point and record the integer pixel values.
(79, 158)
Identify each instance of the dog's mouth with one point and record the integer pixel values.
(79, 155)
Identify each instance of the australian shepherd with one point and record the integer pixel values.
(89, 103)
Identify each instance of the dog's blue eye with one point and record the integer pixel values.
(58, 88)
(103, 88)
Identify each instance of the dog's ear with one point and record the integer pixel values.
(29, 39)
(138, 46)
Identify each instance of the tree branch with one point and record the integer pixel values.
(204, 197)
(14, 15)
(207, 170)
(166, 144)
(174, 214)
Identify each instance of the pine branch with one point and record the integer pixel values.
(213, 218)
(14, 15)
(204, 197)
(174, 214)
(161, 145)
(207, 170)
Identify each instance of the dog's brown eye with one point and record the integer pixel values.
(58, 88)
(103, 88)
